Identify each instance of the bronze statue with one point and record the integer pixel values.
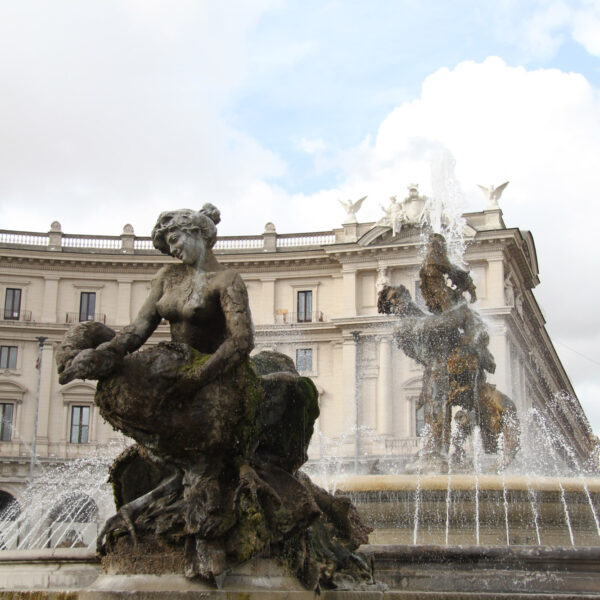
(213, 479)
(451, 343)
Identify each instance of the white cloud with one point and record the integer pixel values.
(586, 27)
(544, 33)
(312, 146)
(109, 106)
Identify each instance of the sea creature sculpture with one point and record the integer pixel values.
(213, 479)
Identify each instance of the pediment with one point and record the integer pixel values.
(381, 235)
(8, 387)
(78, 388)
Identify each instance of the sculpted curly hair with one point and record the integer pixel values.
(188, 221)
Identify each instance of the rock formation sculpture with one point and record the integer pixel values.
(213, 478)
(451, 343)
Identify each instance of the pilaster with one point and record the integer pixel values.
(349, 280)
(384, 388)
(50, 299)
(495, 282)
(349, 383)
(123, 302)
(267, 303)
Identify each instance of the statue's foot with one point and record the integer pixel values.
(122, 519)
(125, 516)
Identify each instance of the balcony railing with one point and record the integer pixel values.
(128, 243)
(75, 317)
(398, 445)
(287, 318)
(21, 315)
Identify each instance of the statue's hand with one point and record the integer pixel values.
(89, 364)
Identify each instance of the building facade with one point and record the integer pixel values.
(313, 297)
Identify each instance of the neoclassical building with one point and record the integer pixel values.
(313, 297)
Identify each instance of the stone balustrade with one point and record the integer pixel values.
(128, 243)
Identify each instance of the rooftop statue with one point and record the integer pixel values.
(351, 209)
(213, 478)
(410, 211)
(451, 342)
(493, 195)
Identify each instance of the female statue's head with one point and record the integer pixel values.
(183, 233)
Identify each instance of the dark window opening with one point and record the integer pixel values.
(419, 420)
(304, 359)
(8, 357)
(304, 307)
(80, 424)
(6, 419)
(87, 306)
(12, 304)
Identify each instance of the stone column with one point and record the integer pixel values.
(349, 279)
(123, 302)
(50, 301)
(384, 388)
(46, 378)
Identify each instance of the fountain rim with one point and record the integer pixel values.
(460, 482)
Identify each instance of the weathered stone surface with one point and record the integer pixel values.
(213, 478)
(451, 342)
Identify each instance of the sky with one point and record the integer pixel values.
(112, 111)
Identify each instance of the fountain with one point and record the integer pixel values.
(211, 501)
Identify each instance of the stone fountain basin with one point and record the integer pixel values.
(477, 510)
(410, 572)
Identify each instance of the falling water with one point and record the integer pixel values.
(504, 493)
(63, 505)
(555, 461)
(477, 452)
(451, 451)
(426, 434)
(578, 467)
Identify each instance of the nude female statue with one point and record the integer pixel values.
(213, 478)
(205, 303)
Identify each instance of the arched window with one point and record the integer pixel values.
(9, 507)
(75, 507)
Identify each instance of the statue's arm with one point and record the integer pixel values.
(132, 337)
(82, 358)
(239, 341)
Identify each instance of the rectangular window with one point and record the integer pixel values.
(6, 417)
(12, 304)
(419, 420)
(304, 359)
(8, 357)
(304, 307)
(87, 306)
(80, 424)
